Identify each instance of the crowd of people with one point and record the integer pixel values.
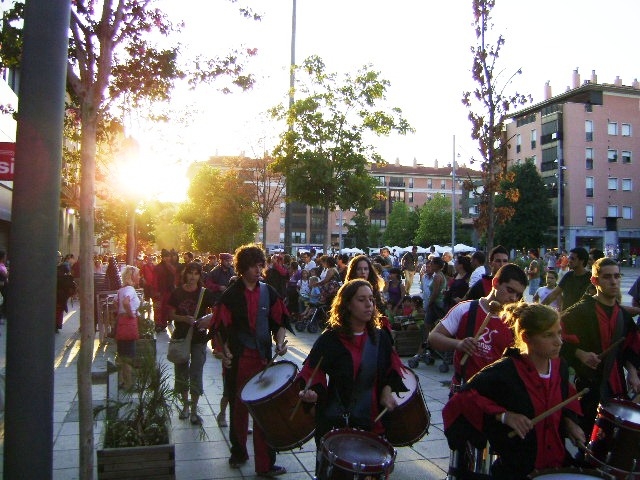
(513, 361)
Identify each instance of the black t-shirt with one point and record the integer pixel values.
(185, 304)
(573, 287)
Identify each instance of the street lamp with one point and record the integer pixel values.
(561, 167)
(453, 198)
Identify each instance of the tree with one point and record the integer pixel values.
(112, 57)
(435, 221)
(219, 219)
(525, 193)
(401, 226)
(488, 108)
(323, 153)
(267, 186)
(358, 231)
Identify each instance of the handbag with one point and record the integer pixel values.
(179, 349)
(127, 327)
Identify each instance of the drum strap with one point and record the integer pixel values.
(365, 380)
(471, 331)
(262, 339)
(358, 412)
(610, 359)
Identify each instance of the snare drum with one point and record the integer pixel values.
(410, 420)
(271, 398)
(350, 454)
(567, 474)
(615, 439)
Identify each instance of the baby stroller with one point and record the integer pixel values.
(315, 320)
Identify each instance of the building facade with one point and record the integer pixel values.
(414, 185)
(586, 144)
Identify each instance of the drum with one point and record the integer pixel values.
(271, 399)
(567, 474)
(614, 446)
(410, 420)
(350, 454)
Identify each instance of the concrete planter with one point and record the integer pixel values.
(156, 462)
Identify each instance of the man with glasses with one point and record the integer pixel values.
(590, 327)
(575, 282)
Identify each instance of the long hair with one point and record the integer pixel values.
(375, 280)
(340, 316)
(530, 319)
(192, 267)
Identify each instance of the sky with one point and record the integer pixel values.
(422, 47)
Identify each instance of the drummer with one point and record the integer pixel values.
(504, 396)
(243, 325)
(592, 325)
(362, 367)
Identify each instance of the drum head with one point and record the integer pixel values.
(355, 447)
(277, 376)
(625, 410)
(567, 474)
(410, 380)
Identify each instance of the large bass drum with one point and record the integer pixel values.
(271, 396)
(410, 420)
(568, 474)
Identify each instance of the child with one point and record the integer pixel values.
(314, 296)
(303, 290)
(544, 291)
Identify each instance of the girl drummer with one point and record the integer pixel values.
(504, 396)
(362, 368)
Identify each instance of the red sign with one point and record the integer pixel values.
(7, 154)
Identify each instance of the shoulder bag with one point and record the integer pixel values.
(179, 349)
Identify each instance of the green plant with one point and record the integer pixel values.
(143, 416)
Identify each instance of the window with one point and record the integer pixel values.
(473, 210)
(588, 154)
(410, 197)
(410, 182)
(518, 143)
(299, 237)
(283, 207)
(612, 156)
(429, 183)
(627, 213)
(612, 128)
(588, 129)
(589, 213)
(627, 185)
(625, 129)
(589, 186)
(380, 180)
(282, 223)
(379, 222)
(612, 211)
(443, 184)
(281, 237)
(534, 139)
(613, 183)
(626, 156)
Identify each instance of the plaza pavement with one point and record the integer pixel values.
(206, 459)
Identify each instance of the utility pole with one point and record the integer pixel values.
(292, 79)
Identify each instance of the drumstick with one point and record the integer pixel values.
(553, 409)
(384, 410)
(608, 350)
(273, 359)
(494, 308)
(306, 389)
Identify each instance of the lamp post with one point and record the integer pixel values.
(288, 241)
(558, 161)
(453, 198)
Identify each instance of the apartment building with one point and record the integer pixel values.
(413, 184)
(586, 144)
